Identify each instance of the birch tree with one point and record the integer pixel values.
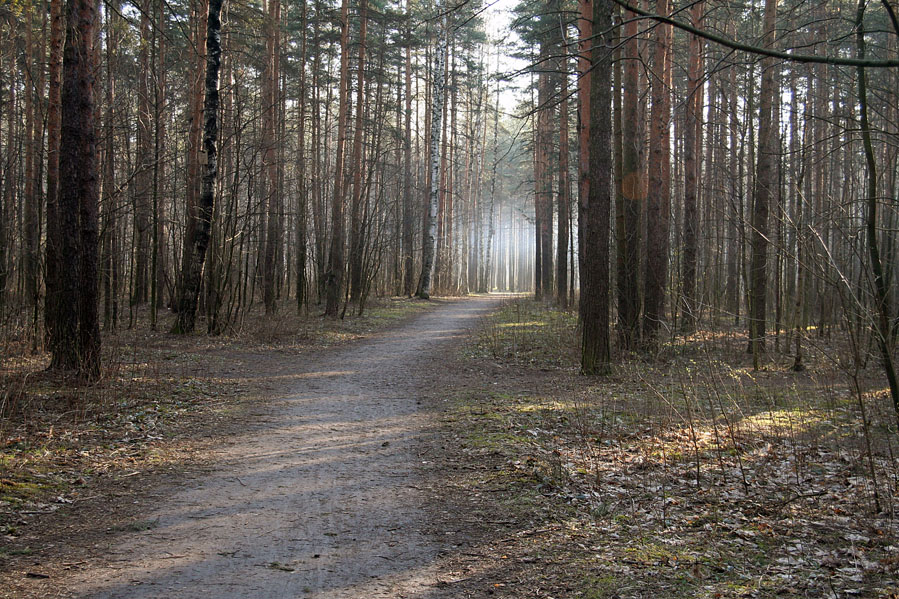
(430, 233)
(197, 241)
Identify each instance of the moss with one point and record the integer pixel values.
(136, 526)
(497, 441)
(600, 587)
(651, 551)
(9, 552)
(25, 489)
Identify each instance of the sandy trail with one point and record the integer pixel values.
(317, 498)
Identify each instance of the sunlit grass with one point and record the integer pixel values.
(522, 325)
(800, 419)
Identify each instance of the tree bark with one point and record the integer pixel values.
(691, 153)
(302, 290)
(197, 241)
(564, 194)
(429, 249)
(336, 260)
(52, 266)
(408, 211)
(884, 324)
(269, 153)
(143, 213)
(78, 326)
(30, 201)
(595, 225)
(543, 215)
(193, 183)
(585, 43)
(765, 183)
(658, 207)
(356, 241)
(110, 259)
(630, 196)
(6, 199)
(485, 285)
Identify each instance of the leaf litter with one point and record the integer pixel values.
(688, 475)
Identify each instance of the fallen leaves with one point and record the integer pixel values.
(693, 478)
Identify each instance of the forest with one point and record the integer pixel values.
(449, 298)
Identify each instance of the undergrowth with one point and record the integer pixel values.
(684, 473)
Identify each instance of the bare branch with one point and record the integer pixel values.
(735, 45)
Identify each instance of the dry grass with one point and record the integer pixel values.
(682, 475)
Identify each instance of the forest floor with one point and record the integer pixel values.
(452, 453)
(682, 474)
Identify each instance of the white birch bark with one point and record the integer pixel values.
(430, 247)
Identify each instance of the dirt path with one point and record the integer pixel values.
(317, 498)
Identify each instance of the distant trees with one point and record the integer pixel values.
(366, 149)
(321, 184)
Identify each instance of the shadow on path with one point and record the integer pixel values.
(318, 497)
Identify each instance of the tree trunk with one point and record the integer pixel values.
(143, 212)
(564, 193)
(408, 206)
(269, 153)
(6, 199)
(543, 213)
(158, 258)
(691, 193)
(110, 241)
(585, 44)
(197, 241)
(52, 266)
(491, 217)
(334, 274)
(77, 325)
(193, 181)
(30, 202)
(764, 185)
(658, 207)
(595, 225)
(883, 327)
(356, 246)
(630, 197)
(430, 234)
(302, 192)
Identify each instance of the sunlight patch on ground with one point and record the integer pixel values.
(797, 420)
(533, 323)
